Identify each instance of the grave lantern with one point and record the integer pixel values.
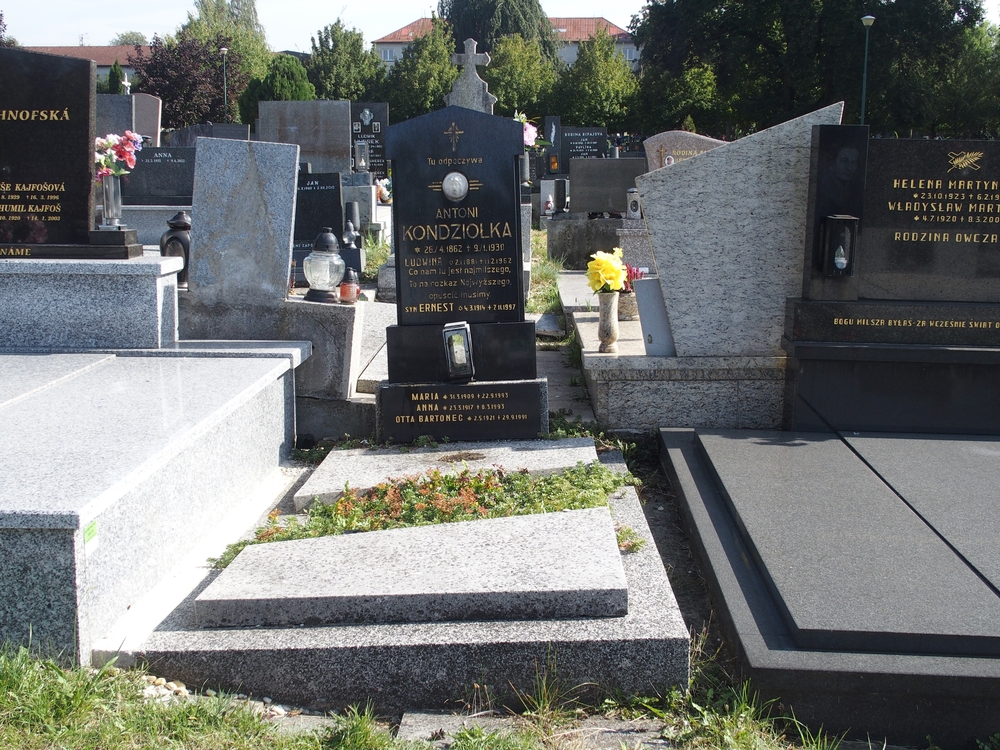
(458, 350)
(324, 268)
(840, 234)
(361, 160)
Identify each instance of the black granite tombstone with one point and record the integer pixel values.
(47, 158)
(601, 185)
(162, 177)
(457, 219)
(911, 341)
(583, 143)
(369, 122)
(318, 204)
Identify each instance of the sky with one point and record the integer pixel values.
(289, 23)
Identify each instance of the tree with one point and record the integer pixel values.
(520, 76)
(130, 39)
(487, 21)
(419, 81)
(5, 41)
(668, 101)
(286, 81)
(237, 20)
(599, 88)
(777, 59)
(115, 75)
(186, 73)
(341, 68)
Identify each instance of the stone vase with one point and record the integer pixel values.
(111, 189)
(607, 323)
(628, 308)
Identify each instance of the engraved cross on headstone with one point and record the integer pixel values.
(469, 90)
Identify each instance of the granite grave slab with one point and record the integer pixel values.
(536, 567)
(369, 123)
(672, 146)
(363, 469)
(601, 185)
(162, 177)
(321, 129)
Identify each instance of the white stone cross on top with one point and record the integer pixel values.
(471, 58)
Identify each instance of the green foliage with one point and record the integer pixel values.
(129, 39)
(5, 41)
(543, 295)
(487, 21)
(115, 76)
(249, 55)
(443, 498)
(341, 68)
(418, 82)
(519, 76)
(599, 88)
(376, 254)
(776, 59)
(628, 539)
(358, 730)
(286, 81)
(187, 74)
(669, 102)
(476, 738)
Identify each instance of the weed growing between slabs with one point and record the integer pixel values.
(437, 497)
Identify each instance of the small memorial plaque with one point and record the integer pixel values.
(501, 410)
(457, 218)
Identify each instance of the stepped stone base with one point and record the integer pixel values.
(151, 452)
(427, 665)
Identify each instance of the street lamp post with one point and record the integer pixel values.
(867, 21)
(225, 92)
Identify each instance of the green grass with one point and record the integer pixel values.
(543, 296)
(437, 497)
(375, 255)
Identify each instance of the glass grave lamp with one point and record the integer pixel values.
(324, 268)
(361, 159)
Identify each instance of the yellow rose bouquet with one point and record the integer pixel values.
(606, 272)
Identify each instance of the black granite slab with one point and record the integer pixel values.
(318, 203)
(953, 483)
(583, 143)
(939, 324)
(162, 177)
(601, 185)
(848, 564)
(369, 122)
(457, 259)
(501, 410)
(500, 351)
(880, 388)
(899, 697)
(47, 116)
(931, 221)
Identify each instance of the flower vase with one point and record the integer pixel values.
(112, 198)
(607, 323)
(628, 308)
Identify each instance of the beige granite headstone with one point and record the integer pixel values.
(728, 231)
(672, 146)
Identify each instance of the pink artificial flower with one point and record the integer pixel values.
(530, 134)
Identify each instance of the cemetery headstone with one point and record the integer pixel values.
(321, 128)
(241, 235)
(369, 122)
(672, 146)
(318, 204)
(148, 112)
(162, 177)
(469, 90)
(457, 245)
(47, 116)
(921, 281)
(583, 143)
(115, 114)
(552, 132)
(187, 137)
(600, 185)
